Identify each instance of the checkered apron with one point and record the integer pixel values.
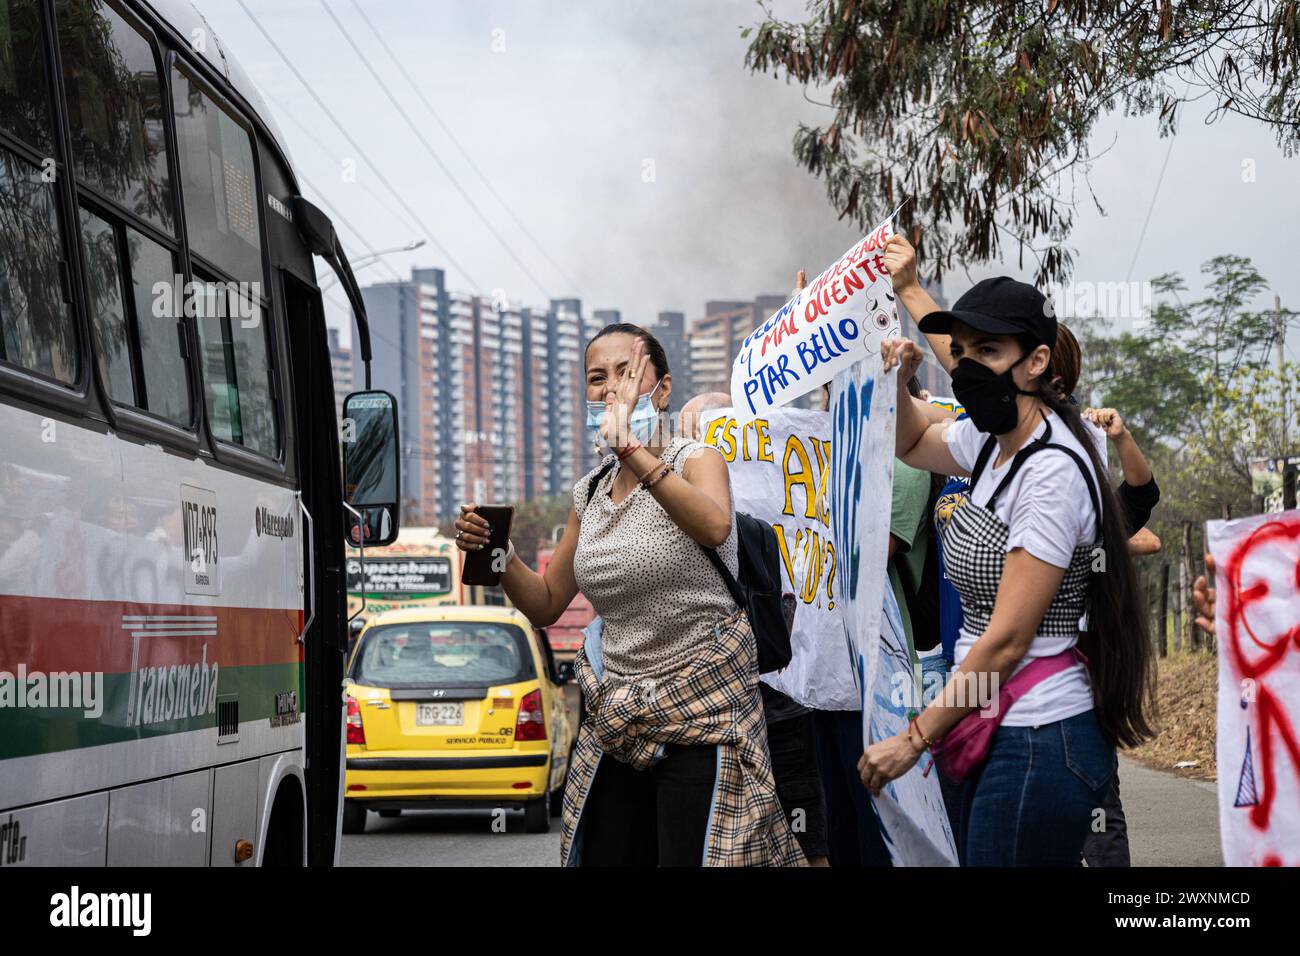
(712, 700)
(974, 551)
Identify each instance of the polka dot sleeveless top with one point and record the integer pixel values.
(648, 579)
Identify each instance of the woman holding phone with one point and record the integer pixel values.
(1038, 555)
(671, 766)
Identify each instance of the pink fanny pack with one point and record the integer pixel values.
(965, 748)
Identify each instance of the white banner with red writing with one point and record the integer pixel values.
(840, 317)
(1257, 623)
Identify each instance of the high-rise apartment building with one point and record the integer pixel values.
(341, 369)
(495, 444)
(670, 329)
(491, 393)
(539, 403)
(715, 339)
(408, 336)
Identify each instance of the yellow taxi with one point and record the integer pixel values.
(455, 707)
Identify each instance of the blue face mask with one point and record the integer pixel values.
(641, 422)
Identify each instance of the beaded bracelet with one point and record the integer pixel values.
(920, 733)
(649, 482)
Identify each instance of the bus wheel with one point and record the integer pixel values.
(354, 817)
(537, 815)
(283, 845)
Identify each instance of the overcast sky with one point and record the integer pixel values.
(654, 171)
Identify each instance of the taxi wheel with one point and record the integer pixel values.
(537, 815)
(557, 795)
(354, 817)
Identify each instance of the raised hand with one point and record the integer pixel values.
(1203, 598)
(904, 353)
(621, 397)
(472, 529)
(800, 280)
(900, 260)
(1108, 420)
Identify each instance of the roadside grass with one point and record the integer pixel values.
(1186, 698)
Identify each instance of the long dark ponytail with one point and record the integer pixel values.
(1117, 641)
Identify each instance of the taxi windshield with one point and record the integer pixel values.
(443, 654)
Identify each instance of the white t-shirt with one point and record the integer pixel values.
(1049, 511)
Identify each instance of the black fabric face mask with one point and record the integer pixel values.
(989, 397)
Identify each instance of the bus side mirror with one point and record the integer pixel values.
(371, 469)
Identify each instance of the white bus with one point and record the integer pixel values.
(172, 517)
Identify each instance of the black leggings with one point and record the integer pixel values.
(653, 817)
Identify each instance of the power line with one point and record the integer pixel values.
(338, 303)
(433, 155)
(443, 457)
(405, 288)
(403, 285)
(1151, 208)
(430, 150)
(329, 150)
(463, 151)
(428, 234)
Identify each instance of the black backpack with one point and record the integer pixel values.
(759, 589)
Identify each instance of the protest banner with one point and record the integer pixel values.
(948, 405)
(913, 819)
(780, 466)
(839, 318)
(911, 811)
(1257, 621)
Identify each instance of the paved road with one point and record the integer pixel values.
(450, 838)
(1172, 821)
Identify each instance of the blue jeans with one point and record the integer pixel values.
(1034, 800)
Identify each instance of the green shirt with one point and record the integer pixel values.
(909, 525)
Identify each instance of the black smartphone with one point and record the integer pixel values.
(485, 565)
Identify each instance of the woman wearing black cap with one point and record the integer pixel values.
(1038, 555)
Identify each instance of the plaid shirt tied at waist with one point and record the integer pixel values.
(712, 700)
